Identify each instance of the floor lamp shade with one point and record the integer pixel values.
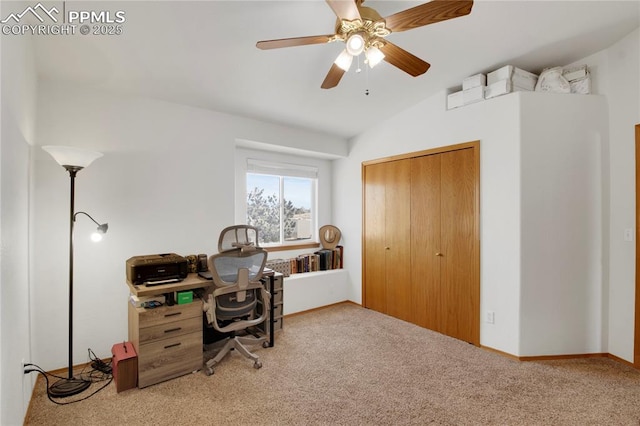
(69, 156)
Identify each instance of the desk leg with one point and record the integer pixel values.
(271, 310)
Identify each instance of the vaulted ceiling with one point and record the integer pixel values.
(203, 53)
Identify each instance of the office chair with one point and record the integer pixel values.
(232, 304)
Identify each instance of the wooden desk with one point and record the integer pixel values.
(192, 281)
(168, 339)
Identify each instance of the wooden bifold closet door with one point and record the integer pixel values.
(421, 239)
(389, 288)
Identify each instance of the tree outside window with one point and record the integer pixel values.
(281, 207)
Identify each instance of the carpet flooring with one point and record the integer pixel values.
(346, 365)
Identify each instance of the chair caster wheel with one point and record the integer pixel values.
(208, 371)
(257, 365)
(265, 344)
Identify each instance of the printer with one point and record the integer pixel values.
(155, 269)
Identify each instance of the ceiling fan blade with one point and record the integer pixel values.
(296, 41)
(428, 13)
(344, 9)
(333, 77)
(404, 60)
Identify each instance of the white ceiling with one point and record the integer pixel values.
(203, 54)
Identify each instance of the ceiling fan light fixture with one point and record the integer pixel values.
(374, 56)
(344, 60)
(355, 44)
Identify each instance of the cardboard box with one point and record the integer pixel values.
(184, 297)
(518, 77)
(474, 81)
(501, 87)
(474, 95)
(454, 100)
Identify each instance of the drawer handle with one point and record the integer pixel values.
(174, 345)
(173, 314)
(173, 329)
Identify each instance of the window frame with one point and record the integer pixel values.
(281, 177)
(321, 200)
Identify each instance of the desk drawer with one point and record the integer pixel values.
(166, 314)
(168, 358)
(170, 329)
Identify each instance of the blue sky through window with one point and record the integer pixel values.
(297, 190)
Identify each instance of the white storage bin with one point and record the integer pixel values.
(454, 100)
(474, 81)
(474, 95)
(518, 77)
(501, 87)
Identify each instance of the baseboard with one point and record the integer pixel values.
(567, 356)
(560, 357)
(348, 302)
(623, 361)
(501, 353)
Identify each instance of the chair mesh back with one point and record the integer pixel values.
(226, 266)
(236, 236)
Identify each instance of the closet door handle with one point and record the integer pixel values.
(387, 248)
(439, 254)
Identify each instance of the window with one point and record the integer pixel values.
(281, 201)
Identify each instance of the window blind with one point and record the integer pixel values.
(281, 169)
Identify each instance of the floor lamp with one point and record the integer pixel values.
(73, 160)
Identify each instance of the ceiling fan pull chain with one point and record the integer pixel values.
(366, 81)
(366, 89)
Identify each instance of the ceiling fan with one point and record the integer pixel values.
(362, 29)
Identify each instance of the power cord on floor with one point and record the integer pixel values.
(98, 364)
(100, 372)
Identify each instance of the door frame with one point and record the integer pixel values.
(636, 344)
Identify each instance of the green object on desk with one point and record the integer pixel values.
(184, 297)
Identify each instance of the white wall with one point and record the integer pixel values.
(616, 74)
(562, 141)
(623, 93)
(427, 125)
(609, 305)
(17, 133)
(165, 184)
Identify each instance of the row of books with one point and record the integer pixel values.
(321, 260)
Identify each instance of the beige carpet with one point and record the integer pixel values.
(345, 365)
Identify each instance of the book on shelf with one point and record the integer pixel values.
(321, 260)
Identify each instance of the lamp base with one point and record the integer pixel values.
(67, 387)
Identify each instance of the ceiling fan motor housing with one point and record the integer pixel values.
(371, 27)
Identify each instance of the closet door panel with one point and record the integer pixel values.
(398, 236)
(460, 289)
(374, 289)
(425, 242)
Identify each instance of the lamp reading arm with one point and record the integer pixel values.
(102, 228)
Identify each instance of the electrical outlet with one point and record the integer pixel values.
(491, 317)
